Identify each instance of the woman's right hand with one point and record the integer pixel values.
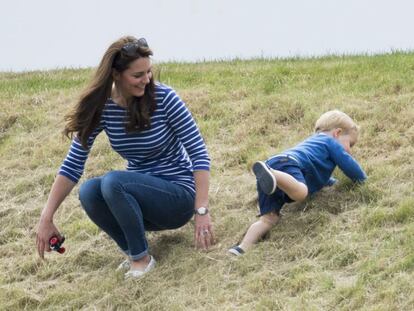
(45, 230)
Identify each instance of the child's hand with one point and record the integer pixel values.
(332, 181)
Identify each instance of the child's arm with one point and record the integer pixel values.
(347, 163)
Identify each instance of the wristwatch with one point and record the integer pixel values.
(201, 211)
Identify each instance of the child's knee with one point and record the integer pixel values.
(302, 193)
(270, 219)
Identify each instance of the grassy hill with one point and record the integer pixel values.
(346, 248)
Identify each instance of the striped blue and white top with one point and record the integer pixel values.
(171, 149)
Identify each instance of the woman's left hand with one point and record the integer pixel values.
(203, 231)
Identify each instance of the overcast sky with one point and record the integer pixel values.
(46, 34)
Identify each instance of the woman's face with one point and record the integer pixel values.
(132, 81)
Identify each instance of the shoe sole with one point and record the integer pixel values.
(265, 178)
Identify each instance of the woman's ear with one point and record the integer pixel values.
(115, 74)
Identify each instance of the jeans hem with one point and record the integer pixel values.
(139, 256)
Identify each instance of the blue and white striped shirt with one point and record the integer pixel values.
(171, 149)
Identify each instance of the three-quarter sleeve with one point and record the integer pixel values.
(74, 163)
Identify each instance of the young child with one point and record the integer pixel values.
(302, 170)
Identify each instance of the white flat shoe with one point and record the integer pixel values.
(135, 274)
(124, 266)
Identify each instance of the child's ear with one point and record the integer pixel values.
(336, 132)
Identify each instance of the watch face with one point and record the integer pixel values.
(202, 211)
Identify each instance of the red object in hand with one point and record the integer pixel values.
(55, 244)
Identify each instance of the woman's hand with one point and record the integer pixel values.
(45, 230)
(203, 231)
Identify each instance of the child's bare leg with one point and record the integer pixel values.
(269, 179)
(296, 190)
(258, 230)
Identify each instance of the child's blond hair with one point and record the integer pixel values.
(335, 119)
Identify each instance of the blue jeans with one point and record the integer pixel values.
(125, 204)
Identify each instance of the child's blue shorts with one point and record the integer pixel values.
(275, 201)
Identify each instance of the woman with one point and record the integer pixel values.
(167, 176)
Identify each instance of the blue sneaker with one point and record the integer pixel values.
(265, 178)
(236, 250)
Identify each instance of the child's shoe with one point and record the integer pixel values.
(265, 178)
(236, 250)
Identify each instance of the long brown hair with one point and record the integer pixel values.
(86, 115)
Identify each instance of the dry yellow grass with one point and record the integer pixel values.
(347, 248)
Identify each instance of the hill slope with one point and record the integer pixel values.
(347, 248)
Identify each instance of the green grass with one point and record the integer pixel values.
(347, 248)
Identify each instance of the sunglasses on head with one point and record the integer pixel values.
(130, 48)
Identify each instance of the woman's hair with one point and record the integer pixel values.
(86, 115)
(335, 119)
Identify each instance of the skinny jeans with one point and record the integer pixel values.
(126, 204)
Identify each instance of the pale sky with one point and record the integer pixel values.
(46, 34)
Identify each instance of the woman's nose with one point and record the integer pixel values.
(147, 78)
